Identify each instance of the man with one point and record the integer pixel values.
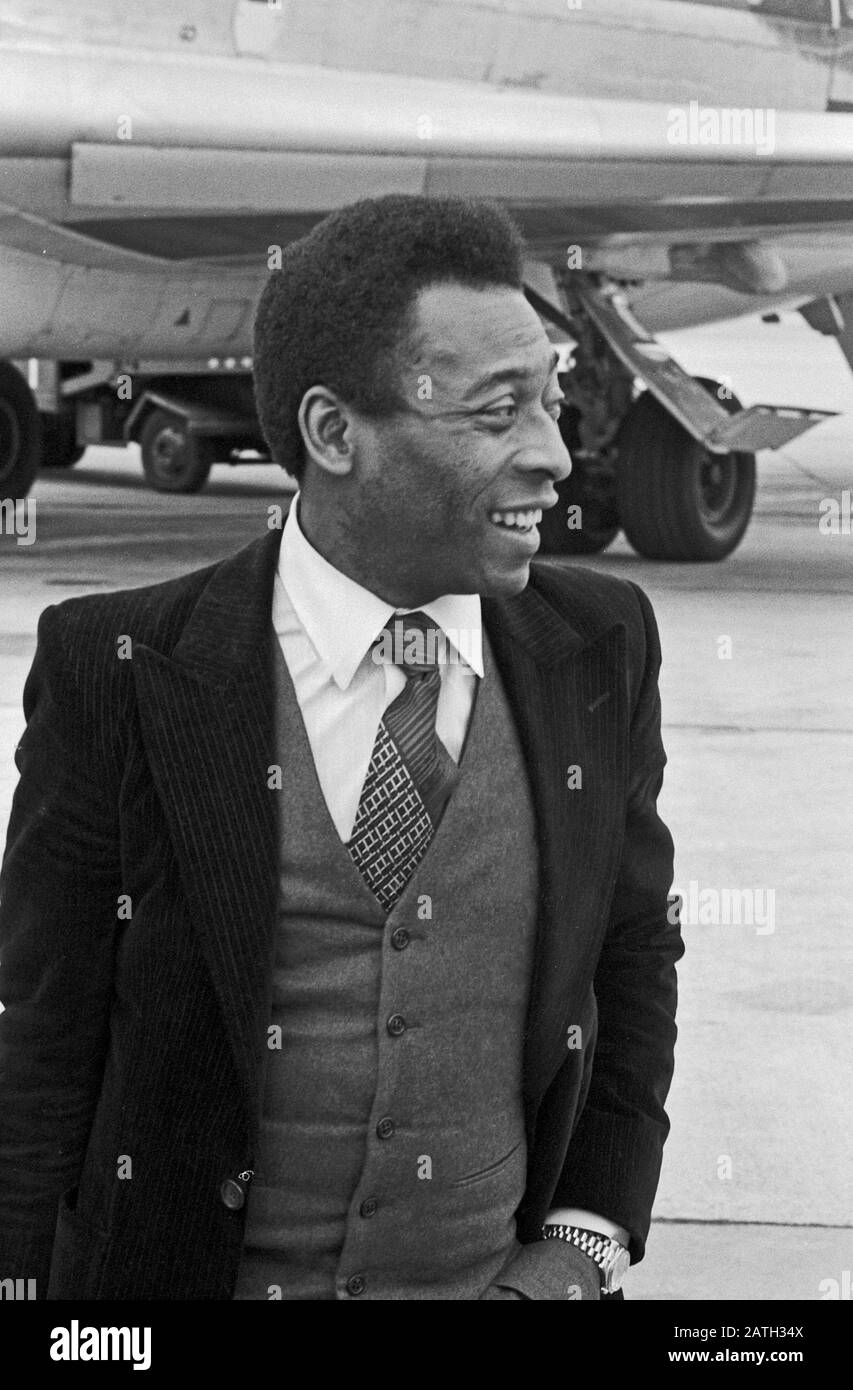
(336, 956)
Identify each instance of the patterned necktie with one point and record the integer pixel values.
(411, 774)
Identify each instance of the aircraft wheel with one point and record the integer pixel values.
(597, 514)
(59, 447)
(172, 460)
(676, 500)
(20, 435)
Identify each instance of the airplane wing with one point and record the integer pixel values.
(201, 183)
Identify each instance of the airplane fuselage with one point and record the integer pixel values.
(152, 158)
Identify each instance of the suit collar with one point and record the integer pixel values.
(206, 713)
(529, 620)
(231, 621)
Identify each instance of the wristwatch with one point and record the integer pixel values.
(610, 1255)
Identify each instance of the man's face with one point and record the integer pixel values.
(444, 491)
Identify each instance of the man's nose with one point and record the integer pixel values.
(563, 461)
(548, 454)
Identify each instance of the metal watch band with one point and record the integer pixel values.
(610, 1255)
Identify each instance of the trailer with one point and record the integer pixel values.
(185, 416)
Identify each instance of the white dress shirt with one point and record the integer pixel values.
(326, 624)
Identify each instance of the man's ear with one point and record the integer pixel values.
(325, 426)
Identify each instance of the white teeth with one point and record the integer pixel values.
(520, 520)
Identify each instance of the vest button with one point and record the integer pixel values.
(400, 939)
(232, 1194)
(385, 1128)
(356, 1284)
(396, 1025)
(369, 1206)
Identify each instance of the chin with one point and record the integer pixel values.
(507, 584)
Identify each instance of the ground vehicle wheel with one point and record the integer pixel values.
(599, 522)
(172, 459)
(59, 447)
(675, 499)
(20, 435)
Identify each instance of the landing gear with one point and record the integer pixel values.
(676, 500)
(20, 436)
(675, 468)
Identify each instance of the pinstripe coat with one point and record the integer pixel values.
(139, 891)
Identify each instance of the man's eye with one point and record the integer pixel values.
(501, 412)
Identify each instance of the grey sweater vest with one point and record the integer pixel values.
(392, 1154)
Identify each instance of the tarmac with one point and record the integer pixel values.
(755, 1199)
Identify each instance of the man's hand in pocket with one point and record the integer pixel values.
(548, 1269)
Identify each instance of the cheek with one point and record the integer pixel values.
(465, 473)
(432, 480)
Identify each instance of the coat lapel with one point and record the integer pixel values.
(207, 723)
(568, 695)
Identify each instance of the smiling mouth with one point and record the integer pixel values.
(516, 520)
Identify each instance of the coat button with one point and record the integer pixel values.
(400, 939)
(385, 1128)
(369, 1206)
(232, 1194)
(356, 1285)
(396, 1025)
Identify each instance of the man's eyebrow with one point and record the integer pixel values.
(509, 374)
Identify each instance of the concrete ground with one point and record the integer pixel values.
(755, 1197)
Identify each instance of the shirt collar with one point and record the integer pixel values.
(341, 618)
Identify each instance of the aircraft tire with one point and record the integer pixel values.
(676, 500)
(171, 459)
(59, 447)
(20, 434)
(599, 525)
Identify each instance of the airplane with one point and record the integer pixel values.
(669, 162)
